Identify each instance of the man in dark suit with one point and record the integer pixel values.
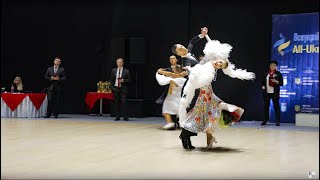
(188, 59)
(271, 83)
(56, 76)
(119, 79)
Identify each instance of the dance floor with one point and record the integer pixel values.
(92, 147)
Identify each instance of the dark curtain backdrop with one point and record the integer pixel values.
(33, 32)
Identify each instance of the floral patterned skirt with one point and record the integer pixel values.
(209, 111)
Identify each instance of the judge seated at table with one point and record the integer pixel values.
(17, 85)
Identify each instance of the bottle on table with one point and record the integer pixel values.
(12, 89)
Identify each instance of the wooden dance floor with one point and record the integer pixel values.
(86, 147)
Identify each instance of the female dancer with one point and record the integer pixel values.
(172, 100)
(209, 109)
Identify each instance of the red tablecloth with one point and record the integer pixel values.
(14, 99)
(92, 97)
(37, 99)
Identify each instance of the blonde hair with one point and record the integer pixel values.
(20, 85)
(214, 50)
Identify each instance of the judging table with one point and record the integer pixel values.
(92, 97)
(30, 105)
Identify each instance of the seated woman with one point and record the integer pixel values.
(172, 100)
(17, 85)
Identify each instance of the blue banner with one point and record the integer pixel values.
(295, 45)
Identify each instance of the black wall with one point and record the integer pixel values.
(34, 32)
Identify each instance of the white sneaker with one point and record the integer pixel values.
(168, 126)
(213, 140)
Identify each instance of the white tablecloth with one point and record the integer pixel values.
(25, 109)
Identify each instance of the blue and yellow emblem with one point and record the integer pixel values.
(281, 44)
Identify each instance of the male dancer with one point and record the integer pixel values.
(187, 59)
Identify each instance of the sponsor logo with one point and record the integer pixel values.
(281, 44)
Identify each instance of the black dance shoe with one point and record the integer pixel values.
(189, 144)
(184, 142)
(126, 118)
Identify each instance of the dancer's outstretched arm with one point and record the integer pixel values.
(194, 40)
(171, 74)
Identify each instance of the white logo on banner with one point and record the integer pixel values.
(285, 81)
(283, 107)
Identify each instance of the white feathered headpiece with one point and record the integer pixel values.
(214, 50)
